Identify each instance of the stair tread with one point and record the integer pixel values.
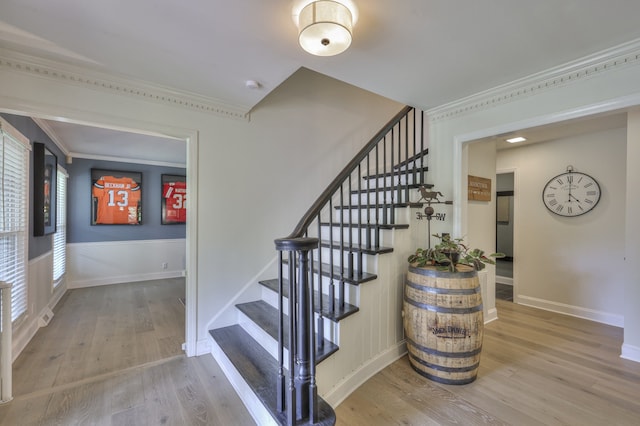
(338, 314)
(415, 157)
(368, 225)
(381, 205)
(266, 316)
(259, 369)
(356, 279)
(396, 173)
(357, 248)
(390, 188)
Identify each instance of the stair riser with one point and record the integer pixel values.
(270, 344)
(351, 291)
(351, 216)
(391, 181)
(331, 328)
(351, 234)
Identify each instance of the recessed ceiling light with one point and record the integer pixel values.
(516, 139)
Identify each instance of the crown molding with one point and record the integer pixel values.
(46, 128)
(84, 156)
(624, 55)
(85, 77)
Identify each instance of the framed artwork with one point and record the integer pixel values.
(45, 166)
(174, 199)
(116, 197)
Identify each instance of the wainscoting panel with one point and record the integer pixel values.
(102, 263)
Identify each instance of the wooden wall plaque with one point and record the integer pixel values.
(479, 188)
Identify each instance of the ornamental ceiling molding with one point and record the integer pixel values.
(624, 55)
(88, 78)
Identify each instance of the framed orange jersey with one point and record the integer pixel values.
(116, 197)
(174, 199)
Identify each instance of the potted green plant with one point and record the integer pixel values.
(449, 253)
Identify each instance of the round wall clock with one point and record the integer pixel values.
(571, 193)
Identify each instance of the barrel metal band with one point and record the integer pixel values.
(437, 290)
(441, 309)
(442, 367)
(431, 351)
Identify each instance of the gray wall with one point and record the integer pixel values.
(25, 125)
(79, 228)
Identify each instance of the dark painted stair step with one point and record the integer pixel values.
(396, 173)
(368, 225)
(266, 317)
(390, 188)
(259, 369)
(356, 278)
(338, 314)
(418, 156)
(355, 248)
(373, 206)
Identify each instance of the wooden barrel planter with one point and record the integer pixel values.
(443, 323)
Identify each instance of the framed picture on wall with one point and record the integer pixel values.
(116, 197)
(174, 199)
(45, 166)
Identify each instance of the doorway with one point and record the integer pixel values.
(504, 234)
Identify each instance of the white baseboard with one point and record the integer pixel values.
(492, 315)
(352, 382)
(124, 279)
(631, 353)
(504, 280)
(22, 338)
(574, 311)
(203, 347)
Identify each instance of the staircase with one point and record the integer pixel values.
(343, 260)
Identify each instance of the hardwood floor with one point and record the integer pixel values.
(537, 368)
(112, 356)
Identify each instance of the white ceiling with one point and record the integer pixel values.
(423, 53)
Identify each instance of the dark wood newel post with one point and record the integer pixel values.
(296, 399)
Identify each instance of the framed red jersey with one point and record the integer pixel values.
(116, 197)
(174, 199)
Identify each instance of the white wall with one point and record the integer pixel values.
(573, 265)
(481, 229)
(605, 82)
(296, 140)
(631, 347)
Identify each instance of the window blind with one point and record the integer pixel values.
(14, 225)
(60, 237)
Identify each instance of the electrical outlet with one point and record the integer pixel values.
(165, 265)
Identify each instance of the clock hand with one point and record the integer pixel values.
(571, 196)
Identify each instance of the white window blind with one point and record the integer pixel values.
(14, 225)
(60, 237)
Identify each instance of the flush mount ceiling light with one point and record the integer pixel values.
(516, 139)
(325, 28)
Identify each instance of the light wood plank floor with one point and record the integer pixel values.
(112, 355)
(537, 368)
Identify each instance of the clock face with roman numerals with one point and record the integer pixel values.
(571, 194)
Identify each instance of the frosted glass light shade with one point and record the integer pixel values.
(325, 28)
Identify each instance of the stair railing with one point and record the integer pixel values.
(392, 163)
